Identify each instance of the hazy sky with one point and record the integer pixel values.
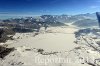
(56, 7)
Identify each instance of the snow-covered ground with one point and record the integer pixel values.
(57, 39)
(55, 47)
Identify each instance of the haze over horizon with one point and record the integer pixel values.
(51, 7)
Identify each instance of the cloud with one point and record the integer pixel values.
(15, 14)
(93, 7)
(4, 13)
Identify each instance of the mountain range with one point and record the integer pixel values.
(80, 20)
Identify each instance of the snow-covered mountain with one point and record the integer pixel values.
(55, 18)
(86, 23)
(79, 20)
(66, 18)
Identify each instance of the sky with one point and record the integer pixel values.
(51, 7)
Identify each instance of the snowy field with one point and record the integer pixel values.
(56, 39)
